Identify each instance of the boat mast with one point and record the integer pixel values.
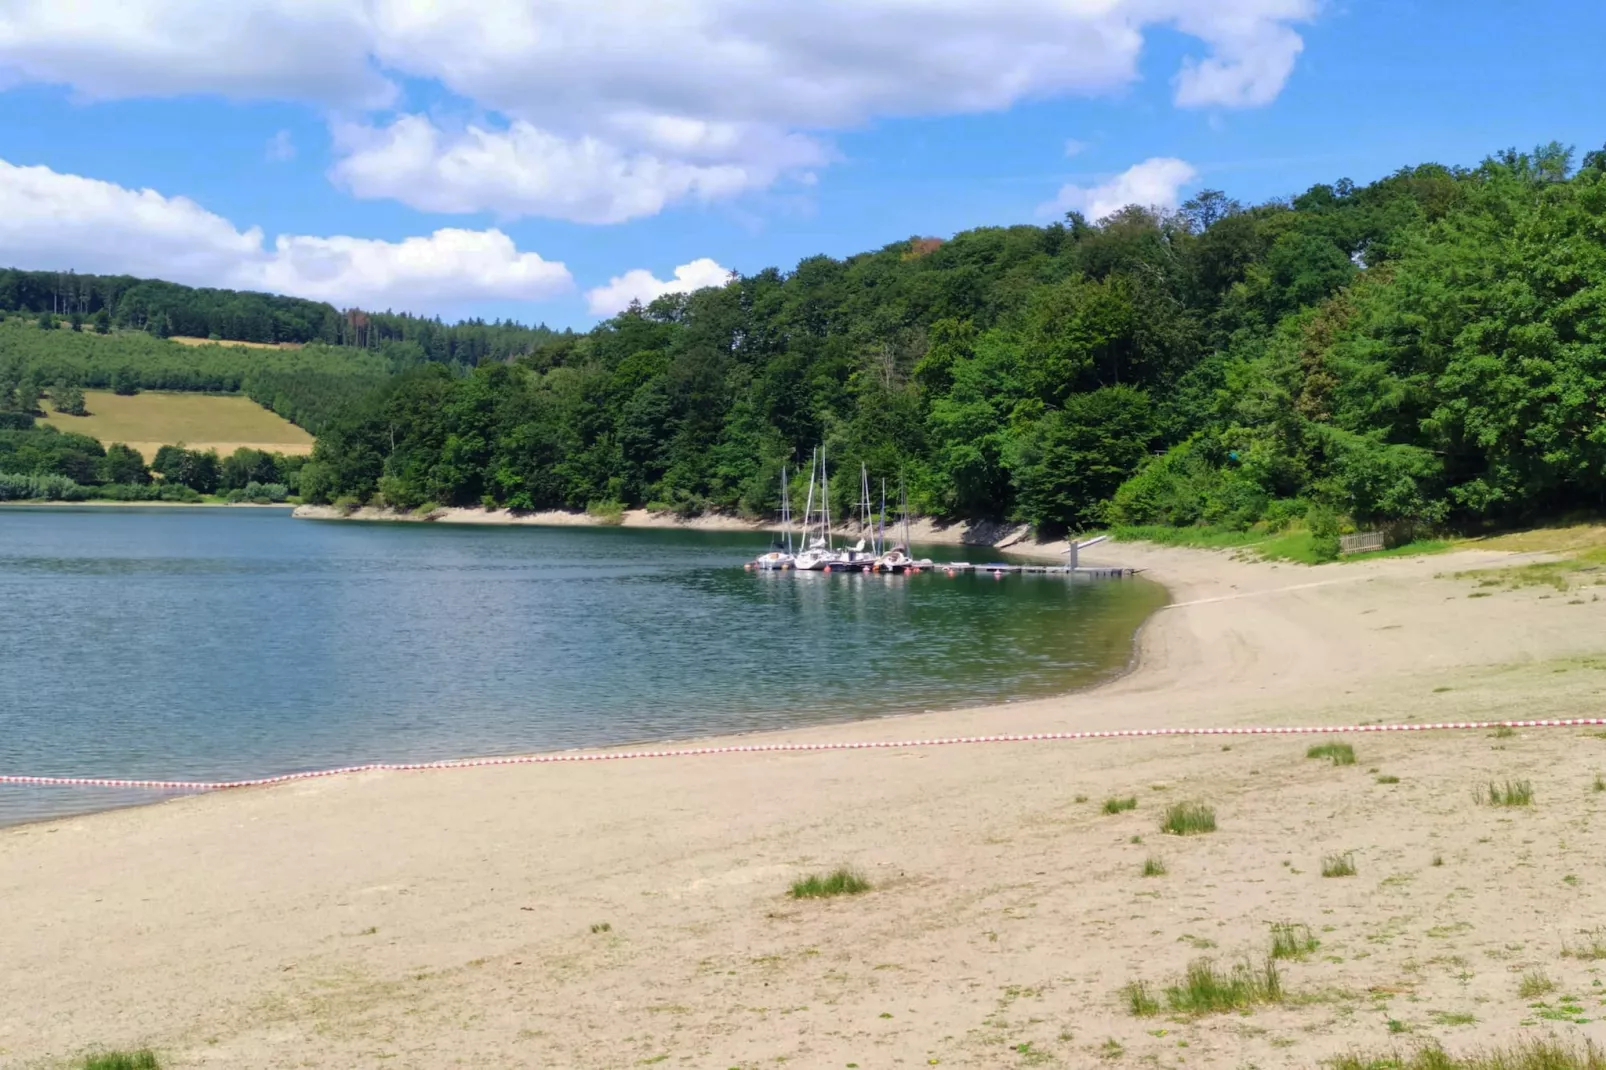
(825, 502)
(881, 522)
(808, 506)
(786, 510)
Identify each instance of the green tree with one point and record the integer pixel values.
(103, 322)
(123, 464)
(68, 398)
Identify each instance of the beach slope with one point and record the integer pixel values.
(636, 912)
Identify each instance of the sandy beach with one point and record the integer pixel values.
(1014, 537)
(636, 913)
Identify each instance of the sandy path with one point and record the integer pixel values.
(444, 919)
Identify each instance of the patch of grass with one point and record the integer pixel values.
(1292, 941)
(839, 882)
(1388, 778)
(1081, 799)
(1504, 731)
(1599, 785)
(1342, 865)
(602, 927)
(149, 420)
(1116, 806)
(1509, 793)
(1140, 1002)
(1453, 1017)
(1205, 989)
(1535, 983)
(1337, 753)
(1591, 949)
(1438, 860)
(1154, 866)
(1538, 1053)
(1188, 819)
(144, 1059)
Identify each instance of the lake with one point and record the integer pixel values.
(171, 643)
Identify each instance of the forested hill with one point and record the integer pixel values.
(163, 309)
(1430, 348)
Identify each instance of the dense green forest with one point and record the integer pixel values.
(106, 302)
(1428, 349)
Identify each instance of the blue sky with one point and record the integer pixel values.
(721, 136)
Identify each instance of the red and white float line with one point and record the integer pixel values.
(785, 748)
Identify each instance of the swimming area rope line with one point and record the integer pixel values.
(785, 748)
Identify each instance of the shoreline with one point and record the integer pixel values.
(459, 916)
(1011, 538)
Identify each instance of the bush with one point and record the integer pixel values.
(46, 488)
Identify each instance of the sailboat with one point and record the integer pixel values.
(818, 554)
(897, 559)
(782, 556)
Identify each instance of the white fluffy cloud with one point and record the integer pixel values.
(1154, 183)
(524, 170)
(613, 108)
(49, 219)
(641, 285)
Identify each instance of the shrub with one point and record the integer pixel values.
(1116, 806)
(609, 514)
(45, 488)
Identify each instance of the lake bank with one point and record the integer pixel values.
(457, 916)
(409, 643)
(1013, 538)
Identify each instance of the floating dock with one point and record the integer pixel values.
(1002, 569)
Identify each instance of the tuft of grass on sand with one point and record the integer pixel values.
(1337, 753)
(1388, 778)
(1188, 819)
(1600, 783)
(1592, 949)
(602, 927)
(1539, 1053)
(1292, 941)
(1509, 793)
(840, 882)
(1207, 989)
(1154, 866)
(1535, 983)
(1139, 1000)
(1341, 865)
(1504, 731)
(1116, 806)
(144, 1059)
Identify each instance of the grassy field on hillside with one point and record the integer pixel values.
(148, 421)
(186, 341)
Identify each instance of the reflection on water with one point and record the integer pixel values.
(223, 644)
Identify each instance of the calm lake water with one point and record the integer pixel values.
(231, 643)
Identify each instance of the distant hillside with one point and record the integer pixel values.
(304, 385)
(103, 302)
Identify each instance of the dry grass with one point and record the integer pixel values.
(147, 421)
(186, 340)
(1533, 1054)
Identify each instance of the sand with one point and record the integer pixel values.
(925, 531)
(446, 918)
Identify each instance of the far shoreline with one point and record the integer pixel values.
(1005, 537)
